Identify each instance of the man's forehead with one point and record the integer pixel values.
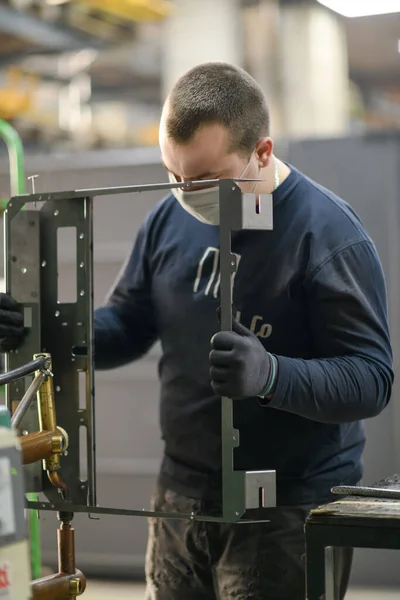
(206, 153)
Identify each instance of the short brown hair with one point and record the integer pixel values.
(218, 93)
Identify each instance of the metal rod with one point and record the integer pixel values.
(27, 399)
(122, 512)
(151, 187)
(329, 573)
(90, 379)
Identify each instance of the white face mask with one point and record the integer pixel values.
(201, 204)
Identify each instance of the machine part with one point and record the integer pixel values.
(42, 445)
(24, 266)
(60, 441)
(14, 546)
(17, 185)
(38, 363)
(68, 583)
(66, 544)
(66, 331)
(260, 489)
(48, 422)
(27, 399)
(58, 587)
(122, 512)
(36, 446)
(240, 490)
(45, 396)
(67, 324)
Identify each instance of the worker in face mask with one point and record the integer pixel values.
(203, 203)
(308, 358)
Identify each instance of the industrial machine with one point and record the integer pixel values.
(58, 347)
(14, 545)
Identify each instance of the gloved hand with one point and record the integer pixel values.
(11, 324)
(240, 367)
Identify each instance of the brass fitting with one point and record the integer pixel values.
(60, 442)
(45, 396)
(75, 587)
(48, 422)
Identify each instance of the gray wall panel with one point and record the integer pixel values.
(365, 172)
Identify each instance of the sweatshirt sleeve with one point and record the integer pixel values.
(125, 327)
(352, 379)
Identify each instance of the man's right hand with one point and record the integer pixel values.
(11, 324)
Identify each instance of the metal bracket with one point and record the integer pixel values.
(240, 490)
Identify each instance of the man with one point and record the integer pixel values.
(308, 359)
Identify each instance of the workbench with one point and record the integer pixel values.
(350, 522)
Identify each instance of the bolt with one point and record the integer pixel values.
(32, 180)
(75, 587)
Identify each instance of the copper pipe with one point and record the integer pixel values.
(66, 548)
(55, 479)
(36, 446)
(60, 586)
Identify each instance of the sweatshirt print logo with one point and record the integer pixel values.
(214, 278)
(208, 283)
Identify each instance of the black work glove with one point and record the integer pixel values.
(240, 366)
(11, 324)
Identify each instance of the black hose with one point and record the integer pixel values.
(19, 372)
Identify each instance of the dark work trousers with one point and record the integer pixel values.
(192, 560)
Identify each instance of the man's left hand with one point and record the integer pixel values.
(239, 364)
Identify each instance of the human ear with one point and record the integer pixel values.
(264, 151)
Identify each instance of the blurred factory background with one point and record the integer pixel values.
(93, 73)
(83, 81)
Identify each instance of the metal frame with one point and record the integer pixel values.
(66, 332)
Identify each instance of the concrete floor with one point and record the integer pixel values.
(99, 590)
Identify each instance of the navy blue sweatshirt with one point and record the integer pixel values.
(312, 290)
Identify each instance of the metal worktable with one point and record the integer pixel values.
(356, 521)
